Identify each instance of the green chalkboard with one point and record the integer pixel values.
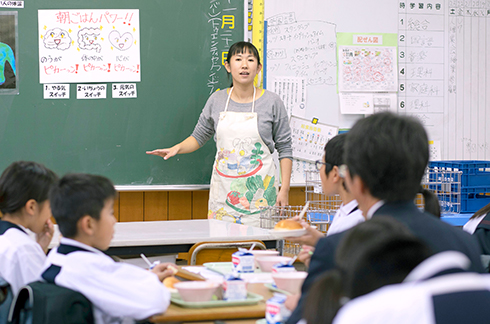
(179, 39)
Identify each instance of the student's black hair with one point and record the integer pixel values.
(76, 196)
(389, 153)
(240, 48)
(334, 152)
(386, 260)
(22, 181)
(431, 202)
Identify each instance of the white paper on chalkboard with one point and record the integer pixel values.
(292, 92)
(356, 103)
(308, 139)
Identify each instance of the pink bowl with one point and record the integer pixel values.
(267, 262)
(261, 253)
(196, 291)
(290, 281)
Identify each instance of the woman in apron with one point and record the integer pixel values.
(248, 123)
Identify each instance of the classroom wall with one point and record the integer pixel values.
(173, 205)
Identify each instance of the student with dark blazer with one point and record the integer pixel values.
(386, 156)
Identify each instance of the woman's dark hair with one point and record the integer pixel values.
(431, 202)
(22, 181)
(240, 48)
(482, 211)
(78, 195)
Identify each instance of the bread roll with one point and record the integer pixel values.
(170, 281)
(287, 224)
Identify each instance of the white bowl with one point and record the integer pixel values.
(290, 281)
(261, 253)
(267, 262)
(196, 291)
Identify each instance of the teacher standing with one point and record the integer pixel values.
(248, 122)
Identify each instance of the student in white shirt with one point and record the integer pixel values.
(348, 215)
(24, 188)
(82, 205)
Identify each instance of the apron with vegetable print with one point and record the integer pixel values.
(243, 177)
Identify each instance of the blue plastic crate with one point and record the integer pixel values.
(475, 173)
(474, 198)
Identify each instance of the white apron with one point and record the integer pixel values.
(243, 176)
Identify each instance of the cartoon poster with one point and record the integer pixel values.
(8, 53)
(367, 68)
(308, 139)
(99, 45)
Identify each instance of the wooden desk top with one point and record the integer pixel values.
(179, 314)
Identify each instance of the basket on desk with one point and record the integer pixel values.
(270, 215)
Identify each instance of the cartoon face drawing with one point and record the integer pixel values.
(121, 42)
(57, 38)
(88, 39)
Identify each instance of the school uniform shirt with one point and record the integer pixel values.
(479, 227)
(438, 291)
(438, 235)
(21, 258)
(347, 216)
(117, 291)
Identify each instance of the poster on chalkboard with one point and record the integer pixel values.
(8, 50)
(309, 139)
(99, 45)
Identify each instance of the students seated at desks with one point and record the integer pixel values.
(386, 156)
(336, 286)
(438, 290)
(82, 205)
(24, 189)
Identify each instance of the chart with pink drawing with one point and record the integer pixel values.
(99, 45)
(367, 68)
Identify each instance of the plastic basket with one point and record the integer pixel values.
(474, 198)
(475, 173)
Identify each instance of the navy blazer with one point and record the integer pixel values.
(482, 233)
(439, 236)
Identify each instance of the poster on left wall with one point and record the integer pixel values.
(8, 53)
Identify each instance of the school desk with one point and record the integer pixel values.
(176, 313)
(172, 237)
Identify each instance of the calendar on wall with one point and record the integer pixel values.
(309, 138)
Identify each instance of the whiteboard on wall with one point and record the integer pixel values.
(443, 75)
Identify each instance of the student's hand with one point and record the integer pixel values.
(311, 237)
(164, 270)
(165, 153)
(292, 301)
(305, 254)
(282, 198)
(45, 237)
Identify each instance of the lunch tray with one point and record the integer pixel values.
(252, 299)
